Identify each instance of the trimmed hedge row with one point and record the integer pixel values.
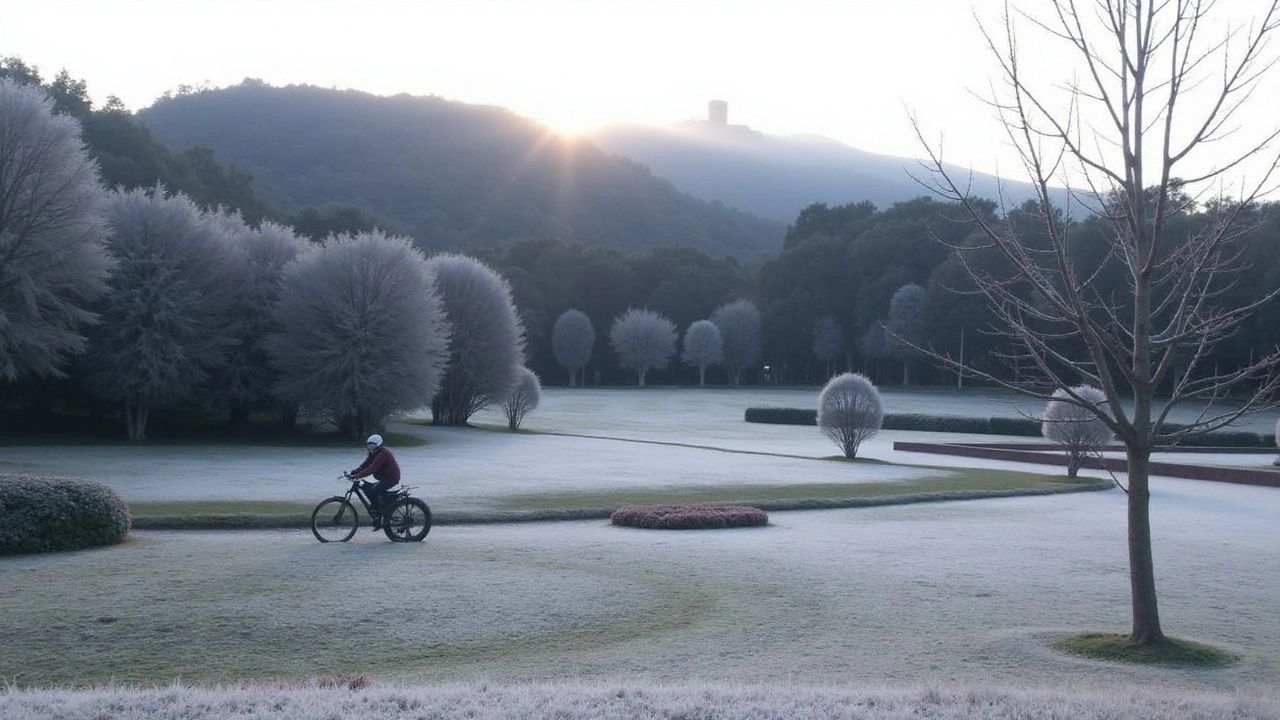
(688, 517)
(49, 514)
(907, 421)
(1024, 427)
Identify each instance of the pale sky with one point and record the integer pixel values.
(852, 70)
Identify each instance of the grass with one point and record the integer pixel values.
(945, 485)
(359, 698)
(950, 484)
(1117, 648)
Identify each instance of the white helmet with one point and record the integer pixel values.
(375, 440)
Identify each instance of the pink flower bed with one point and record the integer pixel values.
(689, 517)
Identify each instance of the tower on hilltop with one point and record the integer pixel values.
(718, 113)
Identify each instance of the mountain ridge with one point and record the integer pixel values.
(450, 174)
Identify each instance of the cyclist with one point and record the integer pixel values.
(382, 465)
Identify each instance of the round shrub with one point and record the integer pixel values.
(689, 517)
(850, 411)
(48, 514)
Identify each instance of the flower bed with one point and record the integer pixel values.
(689, 517)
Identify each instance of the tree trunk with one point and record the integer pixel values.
(1142, 576)
(135, 421)
(641, 374)
(702, 376)
(1074, 460)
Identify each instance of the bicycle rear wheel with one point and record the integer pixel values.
(334, 520)
(407, 521)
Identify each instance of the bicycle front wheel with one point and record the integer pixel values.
(334, 520)
(407, 521)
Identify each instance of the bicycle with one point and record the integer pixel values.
(404, 519)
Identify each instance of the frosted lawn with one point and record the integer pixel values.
(615, 439)
(926, 595)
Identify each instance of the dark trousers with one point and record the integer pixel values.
(377, 493)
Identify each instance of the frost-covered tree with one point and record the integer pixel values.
(849, 411)
(739, 324)
(361, 333)
(1072, 420)
(523, 400)
(53, 257)
(166, 318)
(828, 341)
(261, 255)
(643, 340)
(703, 347)
(904, 326)
(572, 340)
(487, 352)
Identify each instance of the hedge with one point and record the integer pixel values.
(1024, 427)
(48, 514)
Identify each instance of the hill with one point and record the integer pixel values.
(450, 174)
(776, 177)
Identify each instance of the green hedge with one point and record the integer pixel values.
(1024, 427)
(49, 514)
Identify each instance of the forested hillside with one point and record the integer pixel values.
(450, 175)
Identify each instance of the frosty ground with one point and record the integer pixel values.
(958, 592)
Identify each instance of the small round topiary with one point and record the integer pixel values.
(48, 514)
(689, 517)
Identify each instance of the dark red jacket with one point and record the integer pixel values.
(381, 464)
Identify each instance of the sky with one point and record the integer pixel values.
(852, 70)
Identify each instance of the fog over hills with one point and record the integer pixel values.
(450, 174)
(777, 176)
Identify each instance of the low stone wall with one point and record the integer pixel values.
(1049, 454)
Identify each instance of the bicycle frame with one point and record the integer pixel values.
(357, 490)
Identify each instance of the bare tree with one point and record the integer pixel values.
(1073, 420)
(702, 348)
(739, 324)
(166, 320)
(53, 256)
(487, 351)
(644, 341)
(361, 331)
(572, 340)
(1137, 134)
(523, 399)
(849, 411)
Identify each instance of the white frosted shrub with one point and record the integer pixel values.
(487, 350)
(523, 400)
(1077, 428)
(572, 339)
(703, 347)
(53, 258)
(850, 411)
(167, 319)
(361, 332)
(739, 324)
(261, 254)
(643, 340)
